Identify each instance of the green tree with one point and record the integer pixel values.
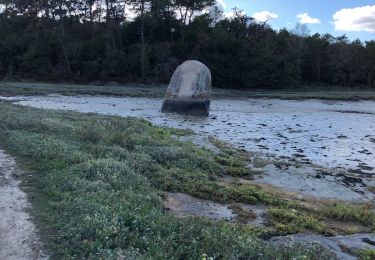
(370, 62)
(141, 7)
(187, 9)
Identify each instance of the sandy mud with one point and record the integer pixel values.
(18, 235)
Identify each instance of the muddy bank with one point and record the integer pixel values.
(18, 235)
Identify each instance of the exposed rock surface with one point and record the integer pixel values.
(344, 247)
(189, 90)
(184, 205)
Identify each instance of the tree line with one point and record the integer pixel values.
(139, 40)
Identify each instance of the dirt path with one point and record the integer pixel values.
(18, 234)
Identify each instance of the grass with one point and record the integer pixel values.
(243, 216)
(136, 90)
(366, 254)
(99, 182)
(129, 90)
(371, 189)
(235, 165)
(289, 221)
(363, 214)
(352, 95)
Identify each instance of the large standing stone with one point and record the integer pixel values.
(189, 90)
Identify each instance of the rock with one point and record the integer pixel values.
(189, 90)
(343, 247)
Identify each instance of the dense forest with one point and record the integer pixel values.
(144, 41)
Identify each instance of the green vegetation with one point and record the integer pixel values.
(83, 41)
(99, 181)
(28, 89)
(325, 94)
(371, 189)
(243, 216)
(361, 213)
(293, 218)
(234, 164)
(366, 254)
(289, 221)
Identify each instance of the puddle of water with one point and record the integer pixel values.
(18, 235)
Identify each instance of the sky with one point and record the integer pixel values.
(355, 18)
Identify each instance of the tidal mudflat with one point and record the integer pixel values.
(314, 148)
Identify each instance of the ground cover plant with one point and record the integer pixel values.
(100, 182)
(38, 88)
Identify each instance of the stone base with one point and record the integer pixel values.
(187, 107)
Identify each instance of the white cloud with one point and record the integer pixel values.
(355, 19)
(216, 12)
(130, 13)
(222, 3)
(305, 18)
(265, 16)
(220, 6)
(229, 14)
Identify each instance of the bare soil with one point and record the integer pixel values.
(18, 235)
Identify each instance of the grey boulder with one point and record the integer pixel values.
(189, 90)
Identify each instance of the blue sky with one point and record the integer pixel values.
(357, 21)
